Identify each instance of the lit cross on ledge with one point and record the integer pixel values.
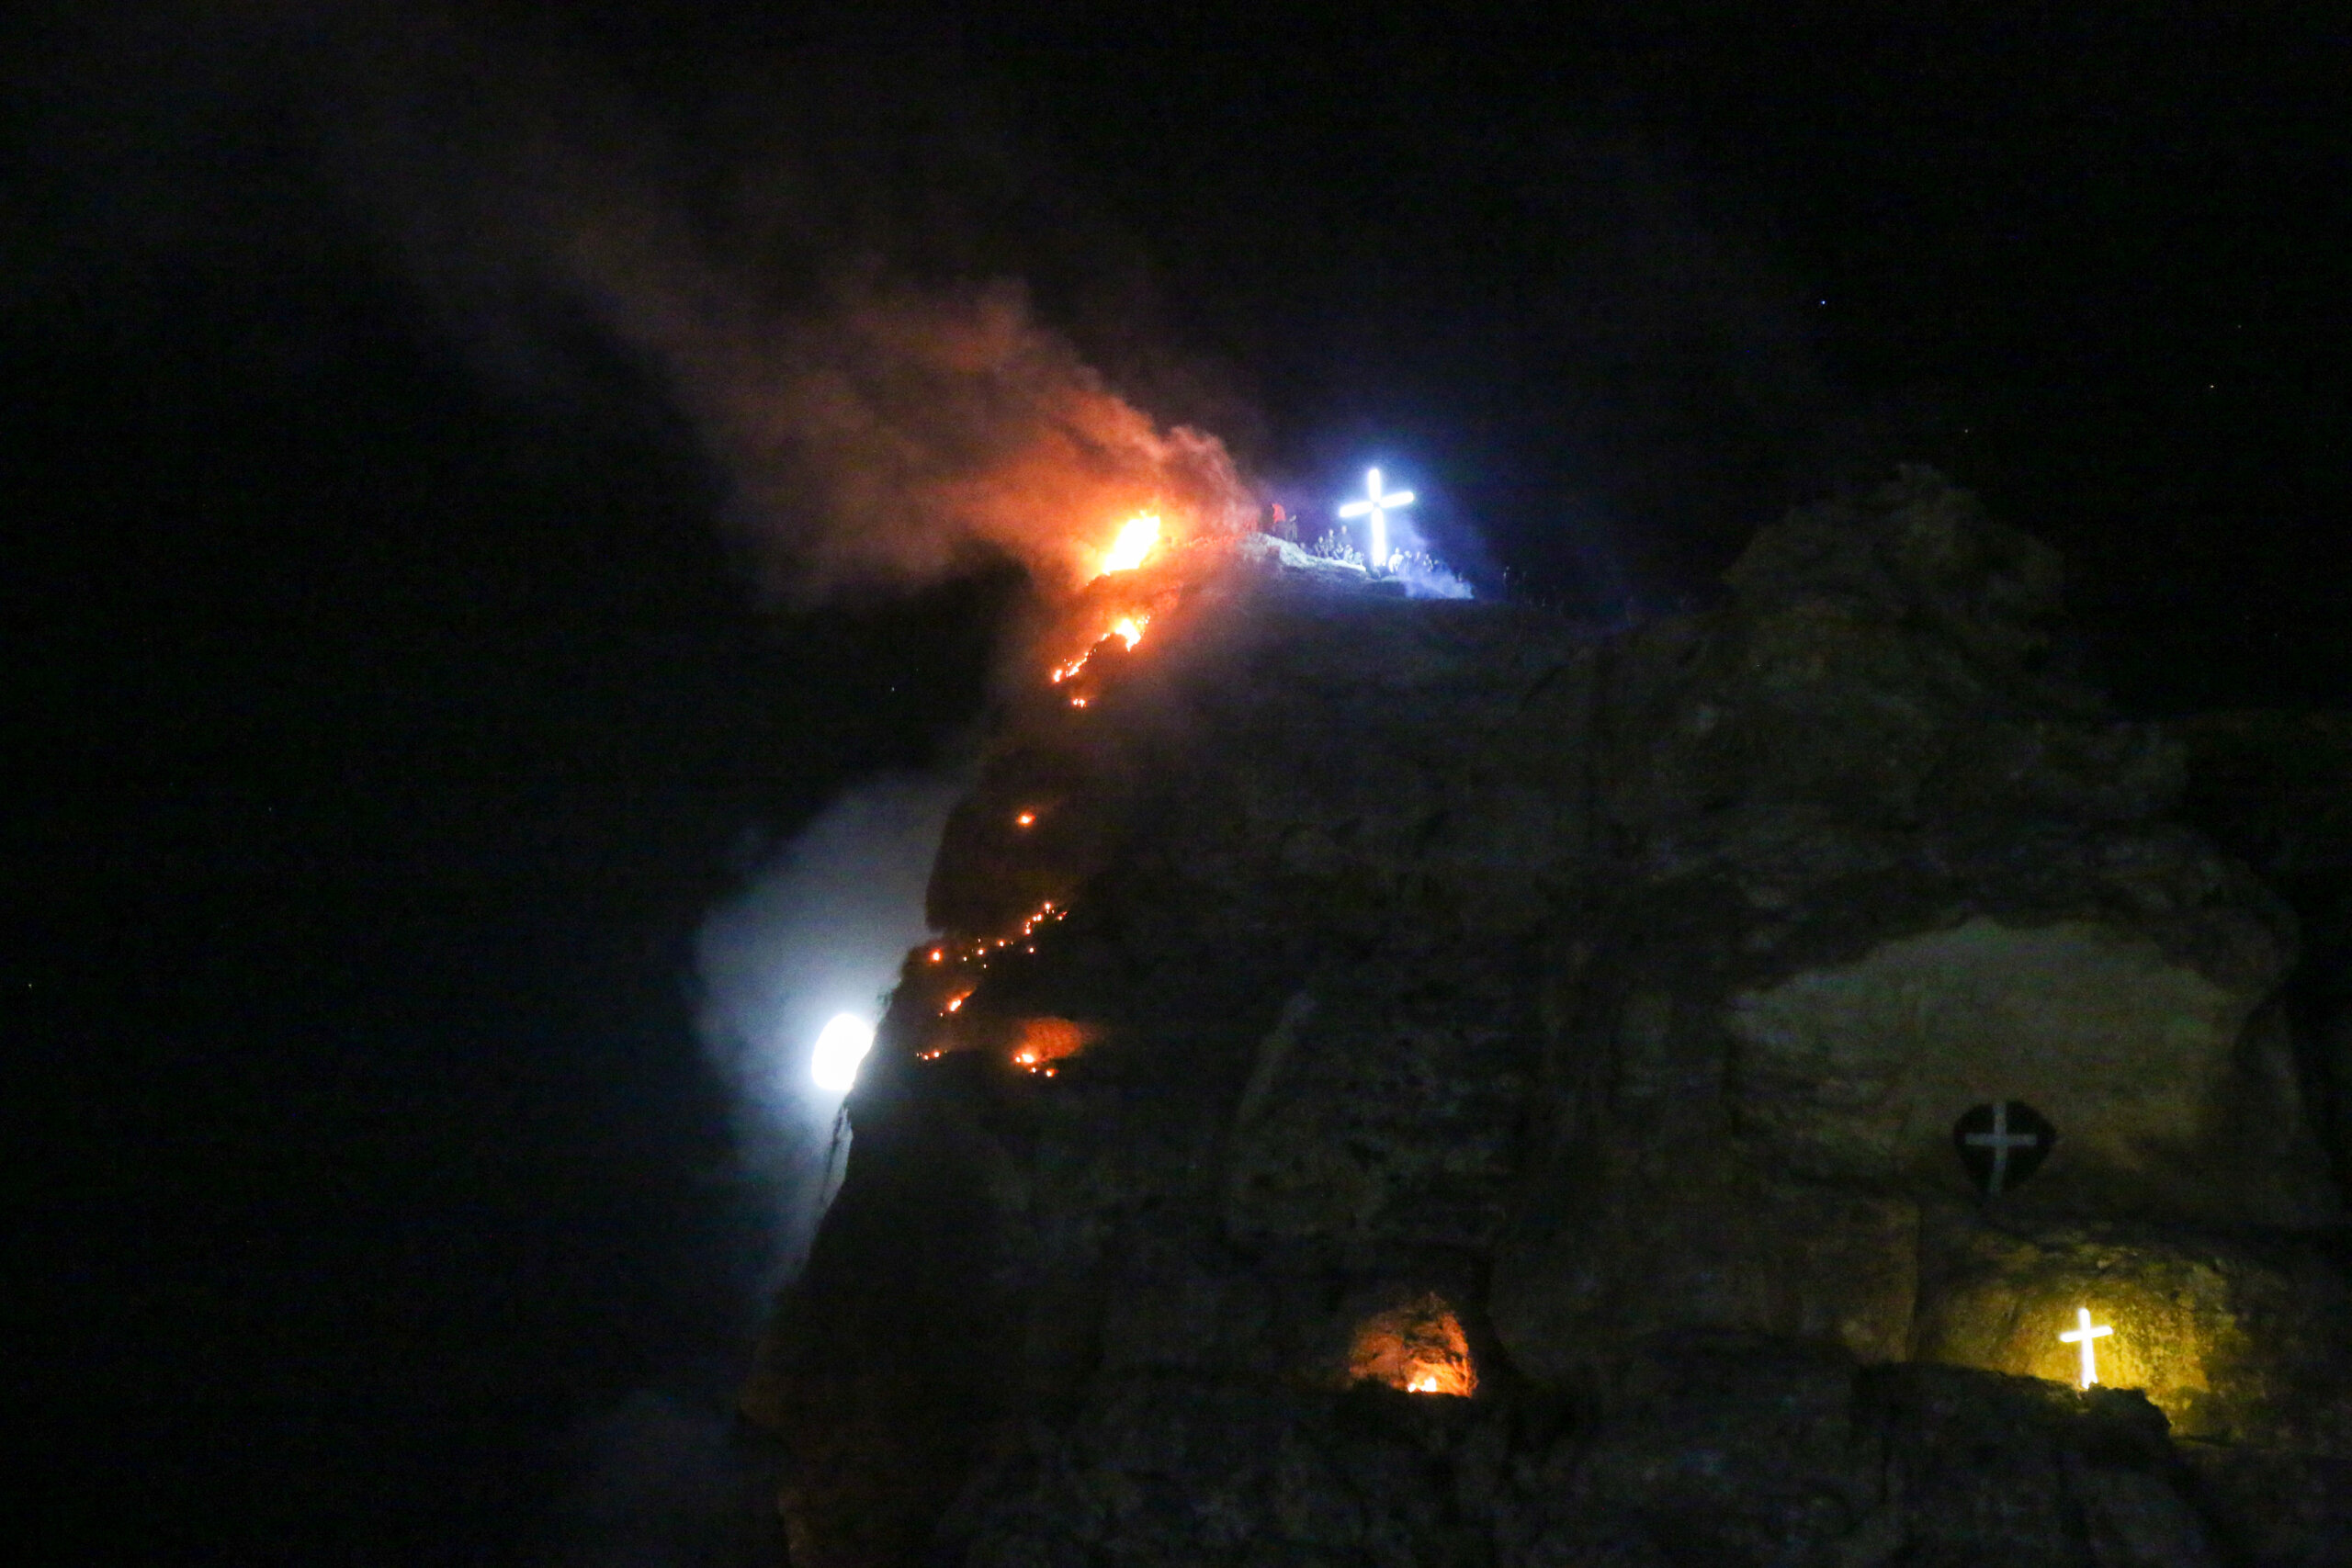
(1377, 507)
(2084, 1335)
(2000, 1140)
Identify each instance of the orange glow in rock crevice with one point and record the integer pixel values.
(1419, 1347)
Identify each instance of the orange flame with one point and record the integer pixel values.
(1137, 536)
(1043, 1040)
(977, 955)
(1128, 629)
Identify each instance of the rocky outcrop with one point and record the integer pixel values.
(1427, 994)
(2275, 789)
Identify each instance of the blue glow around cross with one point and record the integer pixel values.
(1377, 507)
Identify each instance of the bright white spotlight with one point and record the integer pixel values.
(841, 1046)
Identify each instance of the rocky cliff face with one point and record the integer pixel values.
(1408, 1082)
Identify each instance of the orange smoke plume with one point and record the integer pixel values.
(893, 437)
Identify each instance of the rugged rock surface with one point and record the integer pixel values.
(1355, 992)
(2275, 789)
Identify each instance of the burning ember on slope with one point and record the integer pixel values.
(1033, 1044)
(977, 955)
(1045, 1041)
(1417, 1348)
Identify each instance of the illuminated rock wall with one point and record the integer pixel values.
(2236, 1339)
(1855, 1069)
(1607, 1002)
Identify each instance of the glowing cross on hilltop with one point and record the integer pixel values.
(1377, 507)
(2083, 1336)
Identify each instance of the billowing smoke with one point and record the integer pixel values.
(882, 409)
(895, 436)
(882, 404)
(819, 263)
(881, 400)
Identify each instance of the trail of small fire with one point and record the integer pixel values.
(1027, 1059)
(980, 950)
(1134, 544)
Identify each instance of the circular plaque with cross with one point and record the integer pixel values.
(2002, 1144)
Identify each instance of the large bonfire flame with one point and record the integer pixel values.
(1137, 536)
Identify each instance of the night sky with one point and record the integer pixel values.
(396, 683)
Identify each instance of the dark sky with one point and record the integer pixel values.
(391, 698)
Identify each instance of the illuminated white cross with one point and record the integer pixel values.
(1377, 507)
(2000, 1140)
(2083, 1336)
